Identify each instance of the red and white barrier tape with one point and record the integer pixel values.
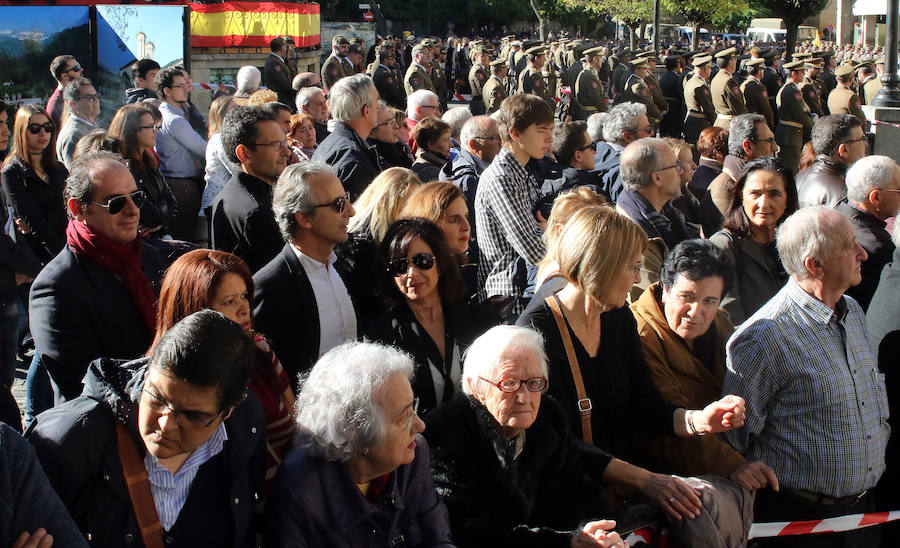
(838, 524)
(879, 122)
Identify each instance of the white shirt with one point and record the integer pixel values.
(337, 318)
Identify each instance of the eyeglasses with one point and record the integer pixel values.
(770, 140)
(387, 123)
(154, 128)
(429, 106)
(635, 268)
(489, 137)
(415, 412)
(115, 204)
(863, 138)
(276, 145)
(676, 166)
(185, 419)
(92, 97)
(534, 384)
(178, 86)
(338, 203)
(422, 261)
(646, 129)
(585, 147)
(76, 68)
(34, 129)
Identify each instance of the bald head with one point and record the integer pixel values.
(306, 80)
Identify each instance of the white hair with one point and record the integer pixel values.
(484, 353)
(339, 412)
(814, 232)
(417, 99)
(473, 128)
(621, 118)
(457, 117)
(293, 193)
(868, 174)
(247, 79)
(595, 125)
(305, 95)
(349, 95)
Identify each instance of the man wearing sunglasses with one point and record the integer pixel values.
(96, 298)
(183, 417)
(84, 107)
(574, 150)
(242, 221)
(302, 303)
(63, 68)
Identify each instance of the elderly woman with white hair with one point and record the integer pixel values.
(247, 80)
(504, 460)
(360, 472)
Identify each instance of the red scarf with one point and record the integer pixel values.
(122, 260)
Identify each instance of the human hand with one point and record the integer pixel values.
(754, 475)
(148, 230)
(22, 278)
(22, 227)
(39, 539)
(673, 495)
(719, 416)
(598, 533)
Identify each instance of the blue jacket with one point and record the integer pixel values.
(354, 161)
(315, 503)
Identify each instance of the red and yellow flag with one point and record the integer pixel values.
(253, 24)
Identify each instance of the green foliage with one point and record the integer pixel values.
(792, 11)
(738, 21)
(703, 12)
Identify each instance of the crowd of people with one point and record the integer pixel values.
(336, 312)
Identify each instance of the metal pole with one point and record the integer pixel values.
(656, 26)
(889, 95)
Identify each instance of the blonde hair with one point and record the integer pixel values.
(594, 247)
(430, 200)
(565, 205)
(261, 97)
(381, 202)
(677, 145)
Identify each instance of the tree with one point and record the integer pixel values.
(794, 12)
(631, 12)
(699, 12)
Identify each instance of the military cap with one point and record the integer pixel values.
(645, 54)
(339, 40)
(801, 55)
(385, 53)
(880, 61)
(419, 47)
(496, 62)
(483, 49)
(536, 50)
(639, 63)
(754, 62)
(516, 44)
(357, 40)
(702, 60)
(813, 62)
(794, 65)
(844, 70)
(593, 51)
(726, 53)
(427, 42)
(509, 37)
(623, 51)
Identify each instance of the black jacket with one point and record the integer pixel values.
(572, 177)
(76, 444)
(872, 235)
(79, 311)
(353, 160)
(536, 500)
(286, 312)
(464, 171)
(39, 204)
(392, 154)
(15, 256)
(607, 162)
(822, 183)
(160, 206)
(136, 95)
(243, 222)
(463, 323)
(322, 132)
(883, 316)
(428, 165)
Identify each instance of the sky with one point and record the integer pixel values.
(46, 19)
(161, 24)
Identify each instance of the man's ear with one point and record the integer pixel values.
(243, 153)
(76, 208)
(303, 219)
(747, 145)
(813, 267)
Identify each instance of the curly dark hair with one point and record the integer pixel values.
(241, 127)
(695, 260)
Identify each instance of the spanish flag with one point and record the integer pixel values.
(253, 24)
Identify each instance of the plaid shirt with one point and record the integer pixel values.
(816, 403)
(506, 224)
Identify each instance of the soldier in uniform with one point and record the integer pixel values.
(531, 80)
(842, 99)
(794, 123)
(276, 74)
(808, 88)
(636, 91)
(726, 94)
(417, 75)
(697, 98)
(770, 78)
(389, 87)
(828, 77)
(334, 68)
(589, 96)
(870, 84)
(438, 78)
(653, 83)
(494, 91)
(673, 93)
(621, 73)
(479, 72)
(755, 95)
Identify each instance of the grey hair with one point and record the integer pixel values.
(621, 118)
(638, 162)
(72, 91)
(457, 117)
(79, 184)
(247, 79)
(868, 174)
(595, 123)
(473, 128)
(417, 99)
(339, 412)
(293, 194)
(349, 95)
(484, 353)
(743, 128)
(811, 233)
(305, 95)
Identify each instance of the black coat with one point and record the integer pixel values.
(534, 501)
(286, 312)
(392, 154)
(160, 206)
(80, 311)
(883, 316)
(15, 256)
(243, 222)
(463, 323)
(353, 160)
(76, 444)
(39, 204)
(872, 235)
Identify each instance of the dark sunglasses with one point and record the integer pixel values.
(338, 203)
(115, 204)
(34, 129)
(399, 267)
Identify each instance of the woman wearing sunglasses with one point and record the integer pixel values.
(135, 126)
(33, 181)
(428, 315)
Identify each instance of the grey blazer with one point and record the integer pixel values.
(72, 132)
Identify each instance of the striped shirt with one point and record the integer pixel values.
(506, 224)
(170, 491)
(816, 403)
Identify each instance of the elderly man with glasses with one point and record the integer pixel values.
(97, 297)
(64, 68)
(84, 106)
(158, 446)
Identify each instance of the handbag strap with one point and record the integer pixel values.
(139, 492)
(584, 402)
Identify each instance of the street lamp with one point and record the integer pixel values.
(889, 95)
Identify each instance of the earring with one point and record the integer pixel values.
(365, 452)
